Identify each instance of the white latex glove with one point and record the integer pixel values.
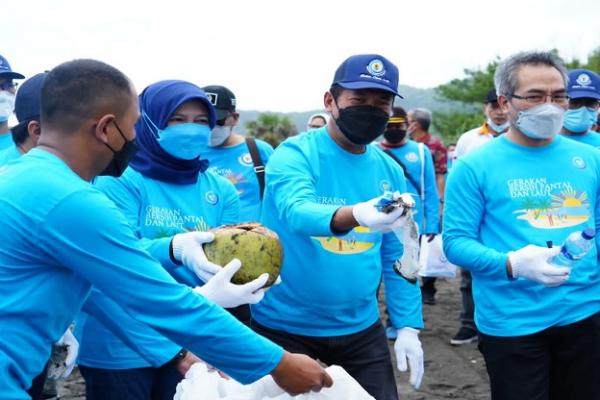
(187, 248)
(72, 351)
(220, 290)
(408, 346)
(368, 215)
(531, 262)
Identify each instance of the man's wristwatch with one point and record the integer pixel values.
(178, 357)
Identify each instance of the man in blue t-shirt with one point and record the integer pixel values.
(506, 204)
(584, 102)
(61, 236)
(231, 154)
(7, 100)
(26, 133)
(320, 197)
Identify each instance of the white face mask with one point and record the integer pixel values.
(541, 122)
(498, 128)
(219, 134)
(7, 105)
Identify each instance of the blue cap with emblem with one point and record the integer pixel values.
(583, 83)
(367, 71)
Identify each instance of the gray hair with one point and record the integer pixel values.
(505, 78)
(422, 116)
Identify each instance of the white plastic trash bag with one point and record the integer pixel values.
(202, 384)
(433, 260)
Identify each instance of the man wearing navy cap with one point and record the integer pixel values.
(584, 102)
(27, 108)
(321, 190)
(496, 124)
(7, 100)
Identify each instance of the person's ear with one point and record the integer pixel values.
(328, 101)
(34, 130)
(102, 126)
(236, 117)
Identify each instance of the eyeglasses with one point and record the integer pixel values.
(7, 85)
(583, 102)
(559, 98)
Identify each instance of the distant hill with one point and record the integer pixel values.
(413, 97)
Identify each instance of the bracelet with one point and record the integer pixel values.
(178, 357)
(172, 255)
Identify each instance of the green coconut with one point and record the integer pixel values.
(257, 247)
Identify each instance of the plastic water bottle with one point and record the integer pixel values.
(577, 245)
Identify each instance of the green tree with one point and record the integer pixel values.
(470, 92)
(592, 63)
(272, 128)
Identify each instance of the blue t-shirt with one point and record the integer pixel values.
(329, 281)
(60, 235)
(591, 137)
(9, 154)
(156, 211)
(426, 213)
(505, 196)
(235, 164)
(6, 140)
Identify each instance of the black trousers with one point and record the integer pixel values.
(558, 363)
(130, 384)
(37, 386)
(364, 355)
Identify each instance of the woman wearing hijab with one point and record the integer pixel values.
(170, 200)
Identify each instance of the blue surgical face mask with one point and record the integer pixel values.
(183, 141)
(7, 105)
(580, 120)
(219, 134)
(498, 128)
(540, 122)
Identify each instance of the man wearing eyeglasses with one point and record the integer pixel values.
(584, 101)
(7, 101)
(506, 203)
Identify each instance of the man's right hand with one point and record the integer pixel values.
(368, 215)
(531, 262)
(298, 373)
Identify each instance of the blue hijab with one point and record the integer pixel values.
(159, 101)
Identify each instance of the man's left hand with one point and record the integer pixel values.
(408, 347)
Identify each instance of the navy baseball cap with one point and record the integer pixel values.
(222, 99)
(6, 72)
(583, 83)
(28, 101)
(367, 71)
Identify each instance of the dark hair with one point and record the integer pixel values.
(336, 91)
(398, 112)
(76, 90)
(19, 132)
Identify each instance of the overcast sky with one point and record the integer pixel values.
(281, 55)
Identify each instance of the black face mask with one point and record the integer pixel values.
(394, 135)
(362, 124)
(121, 158)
